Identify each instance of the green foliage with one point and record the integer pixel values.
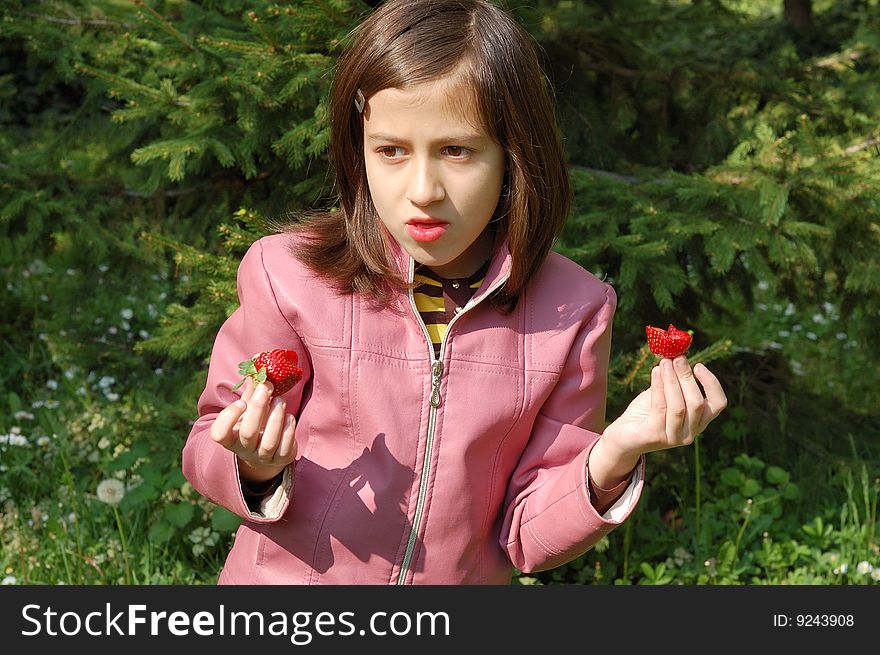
(725, 168)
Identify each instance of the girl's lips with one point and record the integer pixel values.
(426, 231)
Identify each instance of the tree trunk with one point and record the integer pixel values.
(799, 14)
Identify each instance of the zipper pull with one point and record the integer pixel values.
(436, 372)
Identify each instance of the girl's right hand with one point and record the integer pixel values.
(258, 431)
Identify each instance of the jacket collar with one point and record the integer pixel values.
(499, 268)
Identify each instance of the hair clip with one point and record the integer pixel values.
(359, 101)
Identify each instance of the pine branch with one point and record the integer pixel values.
(864, 145)
(166, 25)
(77, 21)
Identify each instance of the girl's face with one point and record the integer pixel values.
(435, 175)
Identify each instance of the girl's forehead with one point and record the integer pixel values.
(448, 99)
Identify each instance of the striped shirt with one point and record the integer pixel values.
(439, 299)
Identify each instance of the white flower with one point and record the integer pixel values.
(13, 439)
(774, 345)
(8, 580)
(106, 381)
(103, 268)
(789, 310)
(44, 297)
(762, 306)
(143, 334)
(43, 440)
(841, 336)
(112, 329)
(111, 396)
(784, 333)
(71, 271)
(52, 384)
(864, 568)
(827, 306)
(51, 404)
(763, 285)
(111, 491)
(875, 574)
(811, 336)
(126, 314)
(24, 415)
(842, 569)
(818, 318)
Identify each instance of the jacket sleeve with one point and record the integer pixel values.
(257, 324)
(549, 518)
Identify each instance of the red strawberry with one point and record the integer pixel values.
(669, 343)
(277, 366)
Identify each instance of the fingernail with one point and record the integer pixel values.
(681, 364)
(240, 404)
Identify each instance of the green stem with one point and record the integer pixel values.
(128, 572)
(742, 530)
(77, 514)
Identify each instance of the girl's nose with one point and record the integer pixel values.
(425, 186)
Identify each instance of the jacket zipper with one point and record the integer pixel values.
(433, 404)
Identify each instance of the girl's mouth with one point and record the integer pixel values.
(426, 231)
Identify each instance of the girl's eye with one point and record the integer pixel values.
(457, 152)
(391, 152)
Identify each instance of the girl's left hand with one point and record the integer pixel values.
(671, 412)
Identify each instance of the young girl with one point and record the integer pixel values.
(448, 426)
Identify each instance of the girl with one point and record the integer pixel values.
(449, 422)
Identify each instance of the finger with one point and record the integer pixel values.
(693, 396)
(246, 396)
(248, 390)
(657, 416)
(255, 417)
(676, 410)
(272, 431)
(287, 448)
(716, 399)
(222, 427)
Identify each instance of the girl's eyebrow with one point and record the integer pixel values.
(452, 138)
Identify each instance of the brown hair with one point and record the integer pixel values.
(408, 42)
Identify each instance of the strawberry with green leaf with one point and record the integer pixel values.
(277, 366)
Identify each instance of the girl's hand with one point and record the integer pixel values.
(258, 432)
(670, 413)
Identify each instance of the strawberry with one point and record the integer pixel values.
(668, 343)
(277, 366)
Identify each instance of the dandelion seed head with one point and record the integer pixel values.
(111, 491)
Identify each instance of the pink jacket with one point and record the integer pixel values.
(407, 471)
